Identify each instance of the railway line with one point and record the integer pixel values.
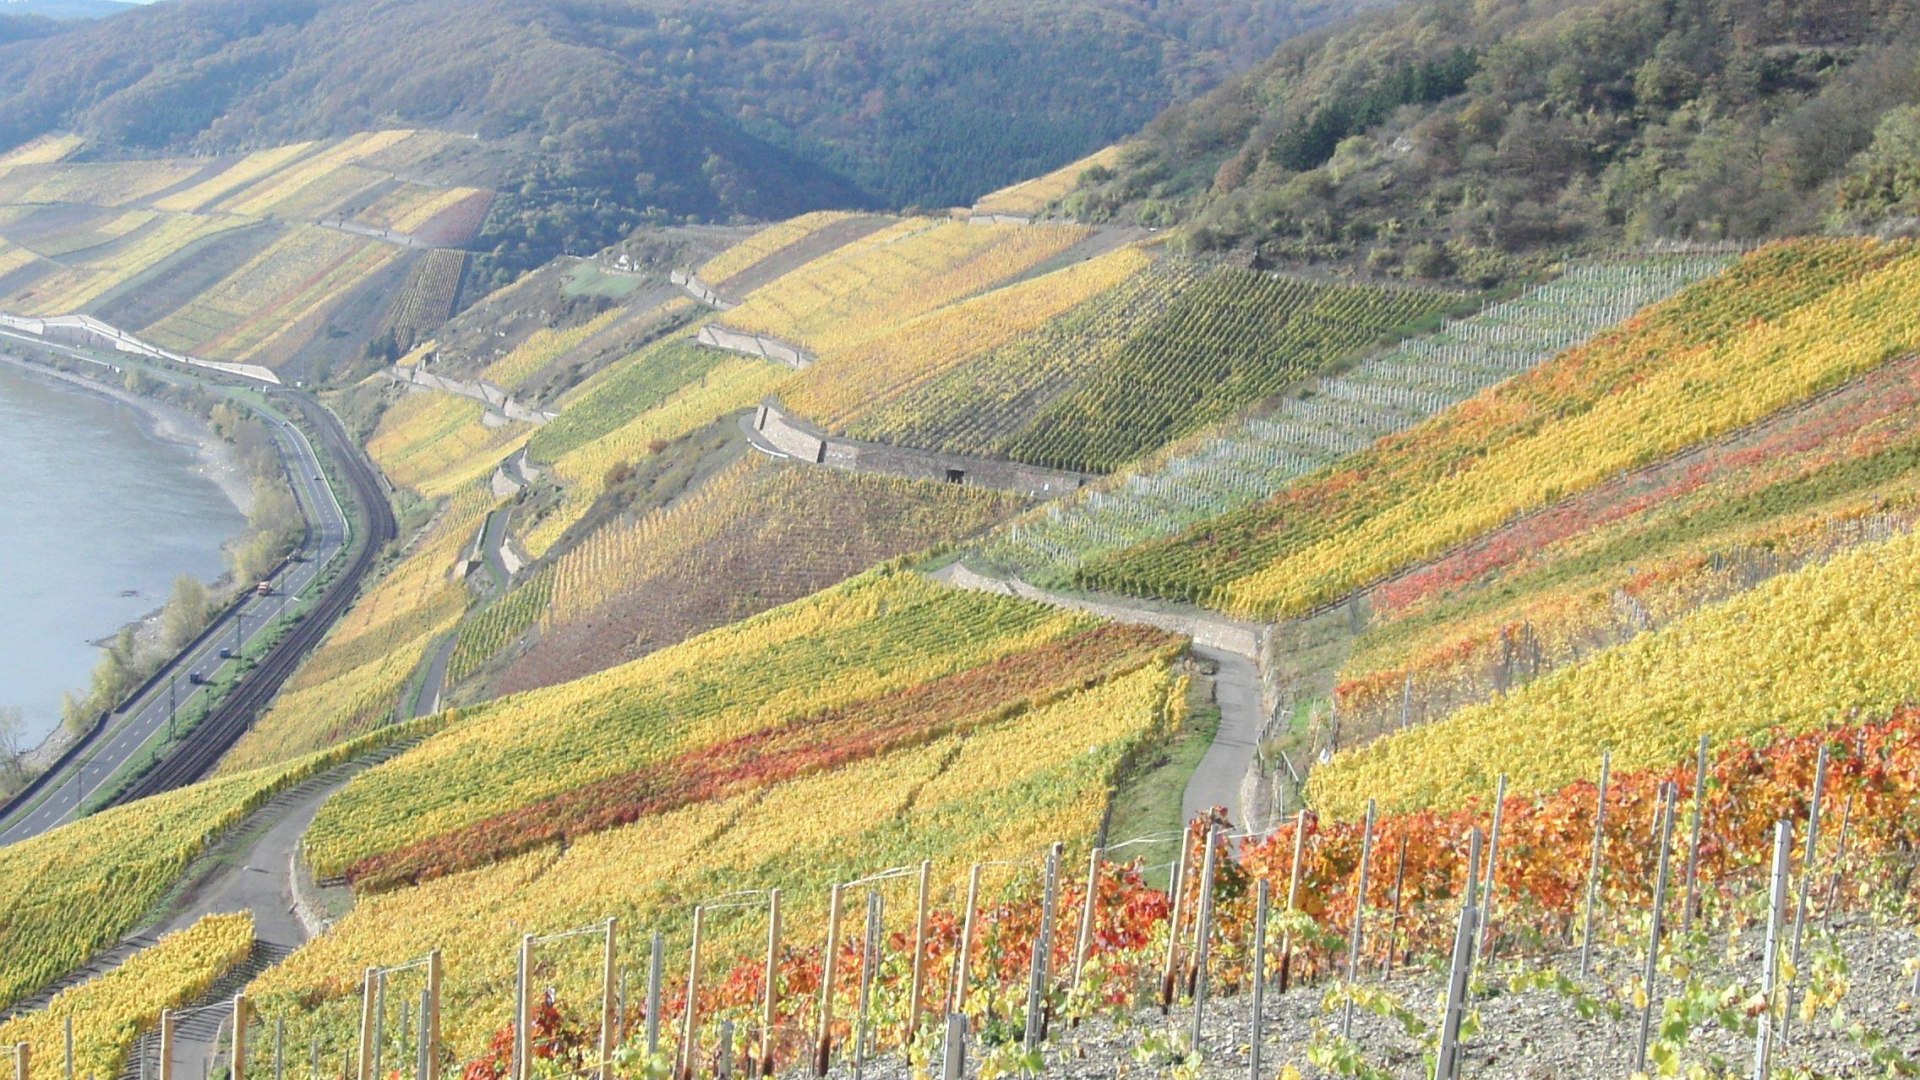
(208, 741)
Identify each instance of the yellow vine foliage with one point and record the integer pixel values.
(1001, 793)
(754, 250)
(247, 170)
(881, 632)
(874, 284)
(730, 387)
(850, 382)
(1679, 402)
(435, 443)
(112, 1010)
(1805, 650)
(543, 347)
(1032, 196)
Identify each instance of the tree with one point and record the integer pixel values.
(185, 613)
(13, 766)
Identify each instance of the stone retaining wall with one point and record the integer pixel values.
(719, 337)
(89, 331)
(797, 439)
(498, 402)
(700, 290)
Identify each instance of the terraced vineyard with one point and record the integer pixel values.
(747, 254)
(882, 281)
(1251, 460)
(427, 299)
(272, 295)
(107, 1012)
(845, 385)
(730, 386)
(757, 536)
(1637, 554)
(1789, 322)
(486, 633)
(892, 701)
(980, 406)
(1033, 196)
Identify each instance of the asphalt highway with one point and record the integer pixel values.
(130, 729)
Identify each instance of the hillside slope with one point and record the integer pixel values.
(624, 112)
(1476, 140)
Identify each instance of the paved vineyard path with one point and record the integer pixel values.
(1230, 645)
(1218, 778)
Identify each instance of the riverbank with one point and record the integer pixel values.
(214, 461)
(164, 422)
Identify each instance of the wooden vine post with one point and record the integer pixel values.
(966, 942)
(1393, 923)
(609, 1009)
(869, 967)
(1693, 837)
(364, 1066)
(67, 1030)
(1042, 967)
(919, 954)
(1084, 943)
(1256, 1024)
(1177, 890)
(1203, 933)
(1594, 871)
(656, 969)
(238, 1064)
(1770, 960)
(770, 1001)
(523, 1013)
(430, 1026)
(823, 1050)
(1293, 896)
(1359, 921)
(1668, 804)
(166, 1044)
(1446, 1063)
(689, 1032)
(1493, 864)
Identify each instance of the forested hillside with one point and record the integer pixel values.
(1467, 140)
(622, 113)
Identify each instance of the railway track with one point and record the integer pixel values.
(203, 747)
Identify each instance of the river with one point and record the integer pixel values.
(98, 516)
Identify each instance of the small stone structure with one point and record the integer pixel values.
(800, 440)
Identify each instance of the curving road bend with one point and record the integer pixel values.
(131, 728)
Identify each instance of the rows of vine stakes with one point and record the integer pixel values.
(1385, 393)
(1219, 939)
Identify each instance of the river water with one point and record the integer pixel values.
(97, 519)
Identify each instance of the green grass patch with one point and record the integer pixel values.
(1148, 800)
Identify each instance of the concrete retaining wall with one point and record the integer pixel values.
(700, 290)
(797, 439)
(787, 437)
(719, 337)
(498, 402)
(89, 331)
